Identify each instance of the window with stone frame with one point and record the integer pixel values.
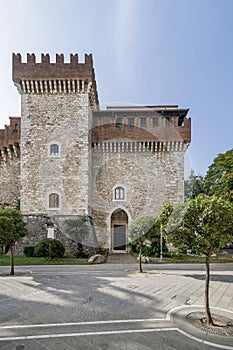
(53, 200)
(143, 122)
(155, 122)
(119, 123)
(119, 193)
(167, 121)
(54, 149)
(130, 122)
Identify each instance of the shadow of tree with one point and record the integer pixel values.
(214, 278)
(73, 297)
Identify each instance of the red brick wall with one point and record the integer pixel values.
(54, 71)
(106, 130)
(11, 134)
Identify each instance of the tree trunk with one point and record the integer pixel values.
(12, 260)
(209, 319)
(140, 258)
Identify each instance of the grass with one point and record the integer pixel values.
(190, 259)
(23, 260)
(187, 259)
(173, 259)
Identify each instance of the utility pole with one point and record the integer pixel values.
(161, 244)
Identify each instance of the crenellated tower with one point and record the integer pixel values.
(53, 78)
(57, 100)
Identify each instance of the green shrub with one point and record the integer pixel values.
(152, 250)
(50, 248)
(29, 251)
(81, 254)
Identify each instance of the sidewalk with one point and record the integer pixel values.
(109, 299)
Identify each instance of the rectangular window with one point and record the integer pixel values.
(130, 122)
(119, 193)
(181, 121)
(54, 150)
(143, 122)
(53, 200)
(167, 121)
(119, 123)
(155, 122)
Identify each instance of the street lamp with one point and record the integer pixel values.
(161, 244)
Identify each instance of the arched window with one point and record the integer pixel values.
(119, 193)
(53, 200)
(54, 150)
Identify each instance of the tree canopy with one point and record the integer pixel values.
(140, 231)
(218, 180)
(204, 225)
(219, 177)
(194, 186)
(12, 228)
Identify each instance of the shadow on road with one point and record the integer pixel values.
(214, 278)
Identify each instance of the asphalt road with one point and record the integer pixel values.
(108, 306)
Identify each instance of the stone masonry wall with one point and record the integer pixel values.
(63, 119)
(150, 180)
(10, 181)
(37, 230)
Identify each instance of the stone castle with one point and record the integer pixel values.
(65, 158)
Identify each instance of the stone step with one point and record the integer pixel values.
(120, 258)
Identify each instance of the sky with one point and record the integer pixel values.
(146, 52)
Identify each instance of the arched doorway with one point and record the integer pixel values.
(119, 222)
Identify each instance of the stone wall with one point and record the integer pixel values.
(10, 181)
(37, 229)
(63, 119)
(149, 179)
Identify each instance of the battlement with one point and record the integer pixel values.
(45, 77)
(45, 58)
(10, 139)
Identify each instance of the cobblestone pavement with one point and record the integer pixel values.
(107, 307)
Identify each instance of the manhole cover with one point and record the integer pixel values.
(20, 347)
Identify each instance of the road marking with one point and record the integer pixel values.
(83, 323)
(63, 335)
(147, 330)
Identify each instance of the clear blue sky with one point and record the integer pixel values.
(145, 52)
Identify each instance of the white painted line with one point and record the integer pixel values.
(226, 347)
(63, 335)
(180, 307)
(83, 323)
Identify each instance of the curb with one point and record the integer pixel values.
(177, 317)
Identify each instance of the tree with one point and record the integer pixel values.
(139, 232)
(194, 186)
(204, 224)
(219, 177)
(12, 228)
(77, 230)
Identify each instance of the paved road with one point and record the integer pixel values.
(107, 306)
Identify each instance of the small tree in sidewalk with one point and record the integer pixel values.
(204, 225)
(12, 228)
(139, 232)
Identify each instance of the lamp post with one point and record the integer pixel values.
(161, 244)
